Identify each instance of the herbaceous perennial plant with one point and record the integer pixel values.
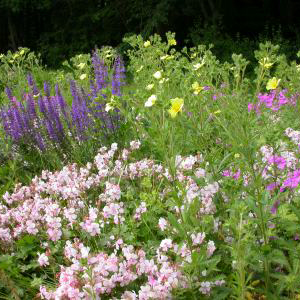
(85, 221)
(43, 121)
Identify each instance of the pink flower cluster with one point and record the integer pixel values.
(89, 200)
(100, 274)
(273, 100)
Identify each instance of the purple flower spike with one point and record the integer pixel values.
(118, 77)
(9, 93)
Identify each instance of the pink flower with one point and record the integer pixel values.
(226, 173)
(166, 244)
(162, 223)
(210, 248)
(43, 259)
(135, 145)
(198, 239)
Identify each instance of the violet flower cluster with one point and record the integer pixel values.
(42, 120)
(273, 100)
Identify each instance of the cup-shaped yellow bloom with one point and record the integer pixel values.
(265, 63)
(147, 44)
(149, 86)
(198, 65)
(172, 42)
(140, 69)
(109, 106)
(81, 66)
(151, 101)
(197, 88)
(177, 104)
(157, 75)
(272, 84)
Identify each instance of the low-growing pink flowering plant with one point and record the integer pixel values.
(95, 240)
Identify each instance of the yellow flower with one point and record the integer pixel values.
(198, 65)
(217, 112)
(149, 86)
(172, 42)
(16, 55)
(140, 69)
(237, 155)
(177, 104)
(81, 66)
(82, 76)
(164, 57)
(147, 44)
(22, 52)
(197, 88)
(151, 101)
(163, 80)
(157, 75)
(265, 63)
(272, 83)
(109, 106)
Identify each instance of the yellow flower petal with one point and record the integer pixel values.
(176, 106)
(172, 42)
(172, 112)
(272, 83)
(147, 44)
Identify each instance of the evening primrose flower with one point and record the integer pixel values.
(176, 106)
(164, 57)
(172, 42)
(163, 80)
(109, 106)
(140, 69)
(265, 63)
(151, 101)
(272, 84)
(198, 66)
(147, 44)
(197, 88)
(81, 66)
(157, 75)
(82, 76)
(149, 86)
